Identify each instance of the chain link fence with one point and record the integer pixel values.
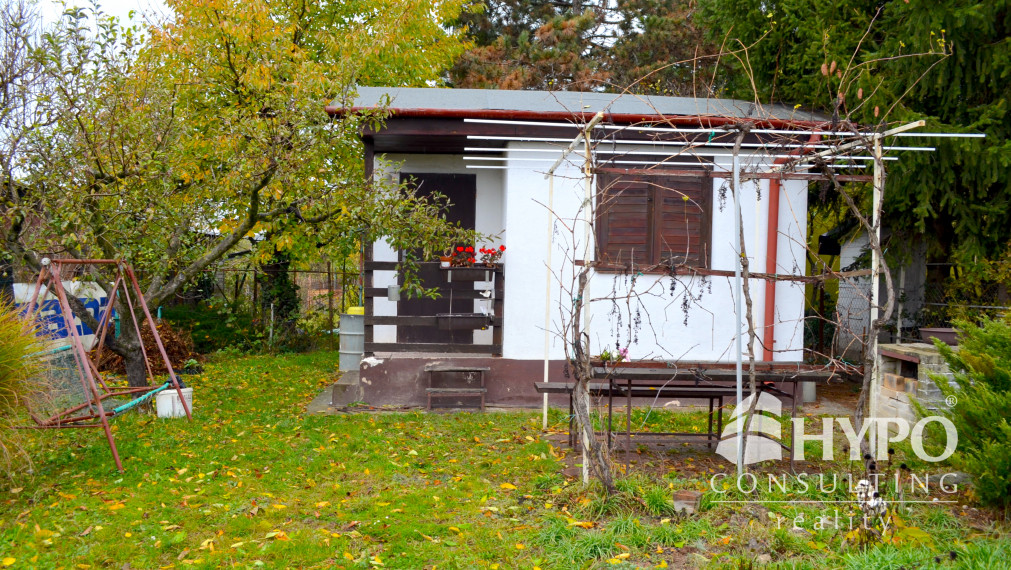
(948, 298)
(323, 291)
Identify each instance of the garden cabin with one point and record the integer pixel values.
(661, 200)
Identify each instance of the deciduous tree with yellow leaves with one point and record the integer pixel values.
(170, 146)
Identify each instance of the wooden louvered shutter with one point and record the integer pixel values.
(624, 218)
(682, 219)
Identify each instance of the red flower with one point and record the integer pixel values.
(459, 248)
(470, 249)
(470, 260)
(501, 247)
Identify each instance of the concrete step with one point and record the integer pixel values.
(347, 390)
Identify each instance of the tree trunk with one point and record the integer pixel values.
(278, 290)
(128, 345)
(593, 452)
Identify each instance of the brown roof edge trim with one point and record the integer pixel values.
(696, 120)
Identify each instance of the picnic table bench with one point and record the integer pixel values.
(668, 383)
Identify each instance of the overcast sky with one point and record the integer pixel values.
(51, 9)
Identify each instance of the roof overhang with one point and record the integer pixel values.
(432, 120)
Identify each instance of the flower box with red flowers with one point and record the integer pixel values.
(490, 256)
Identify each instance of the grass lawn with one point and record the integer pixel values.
(253, 482)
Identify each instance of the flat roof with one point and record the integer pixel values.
(569, 105)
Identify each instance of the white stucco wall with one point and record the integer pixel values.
(709, 333)
(516, 199)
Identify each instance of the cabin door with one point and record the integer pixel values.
(461, 191)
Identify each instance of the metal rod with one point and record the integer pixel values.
(677, 155)
(35, 298)
(86, 376)
(136, 327)
(854, 144)
(644, 162)
(107, 317)
(57, 426)
(738, 292)
(157, 339)
(547, 293)
(587, 251)
(634, 127)
(65, 261)
(694, 144)
(872, 337)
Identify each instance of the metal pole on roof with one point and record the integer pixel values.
(738, 294)
(633, 127)
(854, 144)
(696, 144)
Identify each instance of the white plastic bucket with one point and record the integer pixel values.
(168, 404)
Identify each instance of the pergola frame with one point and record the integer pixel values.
(839, 146)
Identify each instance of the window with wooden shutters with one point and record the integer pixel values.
(649, 219)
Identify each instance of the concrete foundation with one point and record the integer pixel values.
(400, 379)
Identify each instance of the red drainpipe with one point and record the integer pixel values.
(771, 251)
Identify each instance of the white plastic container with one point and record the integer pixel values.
(168, 404)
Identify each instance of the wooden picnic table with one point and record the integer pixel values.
(666, 383)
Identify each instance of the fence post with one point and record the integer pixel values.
(256, 303)
(329, 300)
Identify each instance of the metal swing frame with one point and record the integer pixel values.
(92, 413)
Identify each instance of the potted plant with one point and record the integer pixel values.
(462, 257)
(446, 259)
(490, 256)
(609, 359)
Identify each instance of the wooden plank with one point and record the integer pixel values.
(433, 347)
(367, 284)
(456, 390)
(395, 265)
(498, 312)
(404, 321)
(686, 374)
(455, 368)
(689, 270)
(567, 388)
(899, 356)
(381, 292)
(412, 320)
